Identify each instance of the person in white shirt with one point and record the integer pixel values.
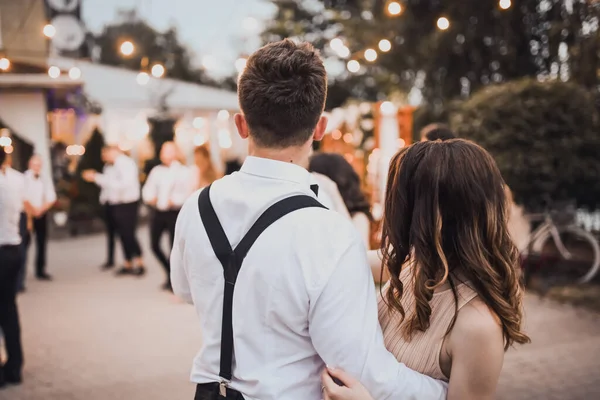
(122, 188)
(12, 202)
(111, 231)
(304, 297)
(168, 186)
(40, 193)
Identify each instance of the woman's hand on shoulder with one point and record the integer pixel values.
(352, 389)
(477, 351)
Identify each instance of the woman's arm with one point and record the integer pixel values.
(476, 347)
(363, 225)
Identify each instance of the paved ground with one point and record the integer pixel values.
(91, 336)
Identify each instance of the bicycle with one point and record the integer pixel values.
(568, 240)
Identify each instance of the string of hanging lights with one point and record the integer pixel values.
(370, 55)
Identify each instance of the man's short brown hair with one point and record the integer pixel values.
(282, 93)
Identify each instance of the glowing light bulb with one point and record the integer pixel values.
(4, 64)
(158, 71)
(387, 108)
(505, 4)
(49, 31)
(370, 55)
(53, 72)
(74, 73)
(385, 45)
(394, 8)
(353, 66)
(223, 115)
(443, 23)
(127, 48)
(336, 44)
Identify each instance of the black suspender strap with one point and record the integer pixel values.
(232, 260)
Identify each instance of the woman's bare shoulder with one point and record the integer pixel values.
(476, 324)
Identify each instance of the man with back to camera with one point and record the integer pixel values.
(304, 294)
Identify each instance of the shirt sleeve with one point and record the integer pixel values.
(345, 331)
(150, 189)
(179, 277)
(50, 195)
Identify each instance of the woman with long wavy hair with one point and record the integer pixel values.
(453, 305)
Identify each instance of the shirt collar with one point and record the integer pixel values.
(273, 169)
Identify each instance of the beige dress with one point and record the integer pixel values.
(422, 352)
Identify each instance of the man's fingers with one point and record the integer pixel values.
(330, 388)
(342, 376)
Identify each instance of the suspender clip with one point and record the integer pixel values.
(223, 389)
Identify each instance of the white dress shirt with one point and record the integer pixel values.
(120, 183)
(304, 296)
(169, 186)
(39, 191)
(12, 195)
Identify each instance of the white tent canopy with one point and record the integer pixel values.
(117, 87)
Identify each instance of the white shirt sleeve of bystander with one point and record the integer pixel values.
(345, 331)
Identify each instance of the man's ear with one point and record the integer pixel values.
(320, 129)
(242, 126)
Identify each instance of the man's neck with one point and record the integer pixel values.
(294, 155)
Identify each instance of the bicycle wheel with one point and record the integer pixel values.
(576, 251)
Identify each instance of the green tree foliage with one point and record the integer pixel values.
(544, 137)
(157, 47)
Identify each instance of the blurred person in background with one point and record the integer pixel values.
(24, 223)
(12, 203)
(107, 213)
(204, 171)
(40, 193)
(340, 171)
(454, 302)
(436, 131)
(122, 187)
(168, 186)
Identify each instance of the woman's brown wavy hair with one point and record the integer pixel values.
(446, 213)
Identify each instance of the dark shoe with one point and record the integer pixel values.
(139, 271)
(167, 286)
(107, 266)
(44, 277)
(124, 271)
(12, 378)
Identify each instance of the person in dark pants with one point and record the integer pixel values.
(122, 188)
(40, 194)
(166, 189)
(111, 231)
(11, 203)
(24, 232)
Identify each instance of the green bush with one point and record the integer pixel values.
(544, 136)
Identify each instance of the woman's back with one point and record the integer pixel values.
(422, 352)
